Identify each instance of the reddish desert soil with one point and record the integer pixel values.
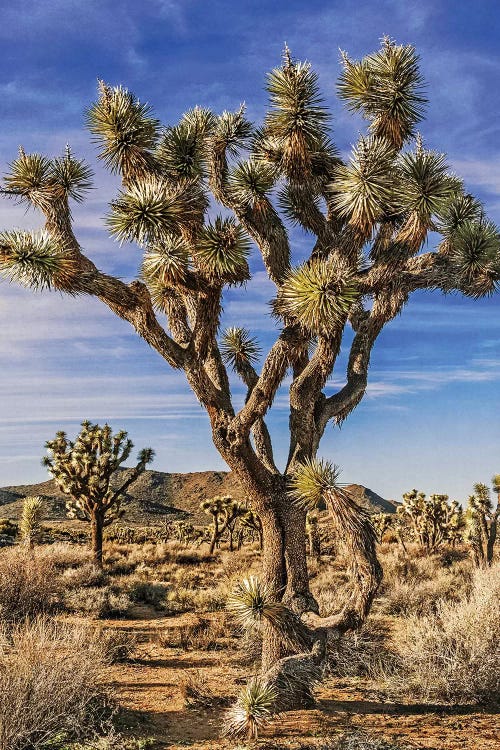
(148, 688)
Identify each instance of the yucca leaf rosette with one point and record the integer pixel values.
(151, 209)
(250, 181)
(222, 249)
(424, 188)
(475, 254)
(312, 481)
(252, 710)
(238, 348)
(297, 122)
(362, 191)
(251, 602)
(166, 263)
(35, 260)
(318, 294)
(387, 88)
(124, 128)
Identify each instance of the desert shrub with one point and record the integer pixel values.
(453, 655)
(197, 694)
(117, 645)
(204, 634)
(29, 585)
(360, 740)
(250, 646)
(114, 741)
(143, 592)
(97, 602)
(64, 555)
(8, 528)
(85, 575)
(51, 683)
(415, 585)
(198, 600)
(361, 653)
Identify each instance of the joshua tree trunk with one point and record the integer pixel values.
(96, 530)
(214, 538)
(492, 534)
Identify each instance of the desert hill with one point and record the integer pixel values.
(157, 494)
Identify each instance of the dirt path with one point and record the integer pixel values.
(149, 689)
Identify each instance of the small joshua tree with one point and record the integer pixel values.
(251, 521)
(382, 522)
(225, 513)
(83, 469)
(482, 522)
(30, 527)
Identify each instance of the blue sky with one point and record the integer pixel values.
(429, 419)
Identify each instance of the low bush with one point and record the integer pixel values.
(51, 683)
(200, 600)
(143, 592)
(97, 602)
(361, 653)
(86, 575)
(204, 634)
(453, 655)
(29, 585)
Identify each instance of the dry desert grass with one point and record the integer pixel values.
(151, 637)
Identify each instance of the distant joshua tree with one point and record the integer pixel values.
(433, 520)
(83, 469)
(367, 219)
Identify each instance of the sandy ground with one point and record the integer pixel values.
(149, 690)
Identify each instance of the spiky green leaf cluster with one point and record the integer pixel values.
(461, 207)
(166, 263)
(73, 175)
(312, 481)
(297, 121)
(252, 711)
(222, 249)
(363, 190)
(317, 294)
(238, 348)
(250, 181)
(150, 210)
(251, 602)
(424, 188)
(124, 129)
(387, 88)
(28, 174)
(34, 178)
(475, 253)
(232, 131)
(34, 260)
(181, 151)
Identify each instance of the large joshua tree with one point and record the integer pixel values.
(367, 218)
